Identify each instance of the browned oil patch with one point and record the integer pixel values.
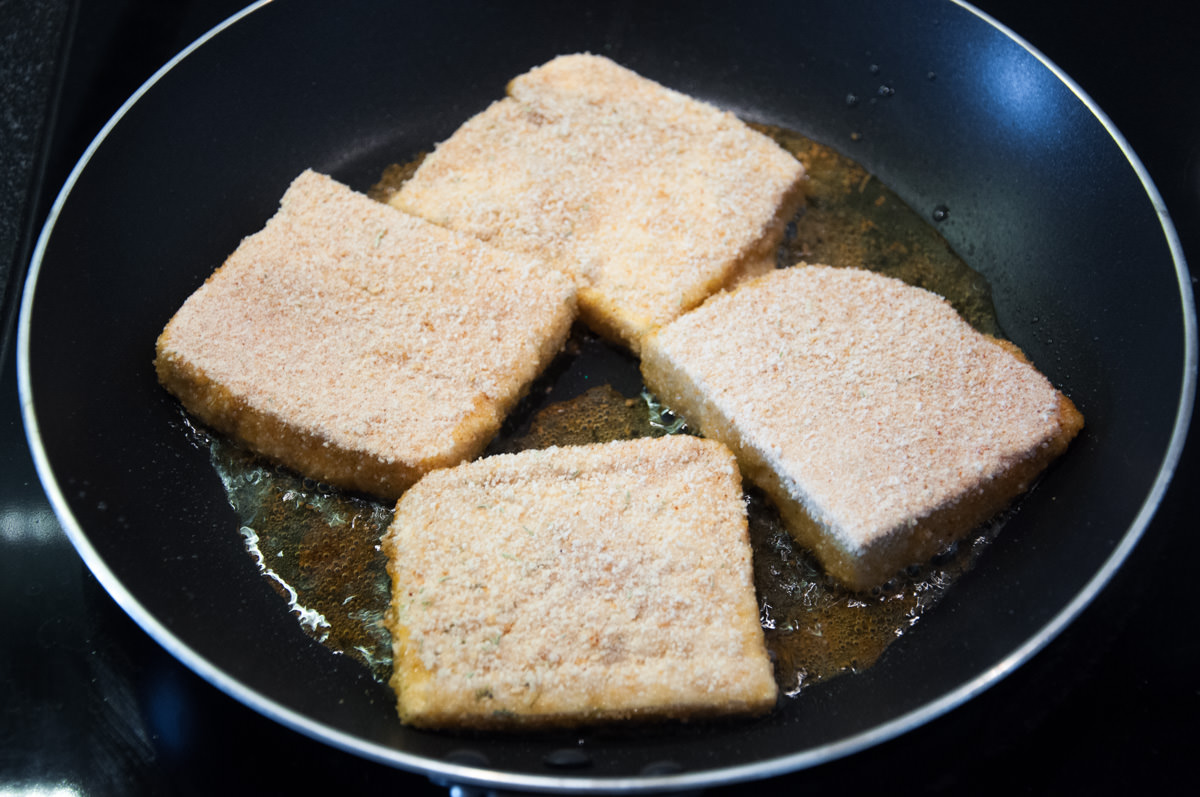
(319, 548)
(852, 219)
(599, 415)
(815, 628)
(394, 175)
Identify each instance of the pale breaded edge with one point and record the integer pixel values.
(423, 701)
(315, 455)
(309, 448)
(759, 257)
(886, 555)
(604, 308)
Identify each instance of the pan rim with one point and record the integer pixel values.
(459, 774)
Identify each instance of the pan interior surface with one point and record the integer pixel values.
(951, 112)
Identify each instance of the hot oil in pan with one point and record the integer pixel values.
(320, 548)
(851, 219)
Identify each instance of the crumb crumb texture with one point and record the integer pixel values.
(563, 585)
(348, 326)
(651, 199)
(873, 402)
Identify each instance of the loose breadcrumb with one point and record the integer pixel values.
(360, 345)
(881, 423)
(565, 586)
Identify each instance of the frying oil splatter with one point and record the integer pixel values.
(321, 551)
(321, 548)
(311, 620)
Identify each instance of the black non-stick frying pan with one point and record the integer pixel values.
(1043, 198)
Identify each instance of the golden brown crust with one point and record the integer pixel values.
(650, 199)
(361, 346)
(881, 425)
(569, 586)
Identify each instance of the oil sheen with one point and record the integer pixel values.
(320, 549)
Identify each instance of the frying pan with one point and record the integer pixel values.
(1044, 199)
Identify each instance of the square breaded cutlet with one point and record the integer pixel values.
(577, 585)
(883, 426)
(651, 199)
(362, 346)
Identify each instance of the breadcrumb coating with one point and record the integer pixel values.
(360, 345)
(882, 424)
(651, 199)
(572, 585)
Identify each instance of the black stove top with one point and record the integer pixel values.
(90, 705)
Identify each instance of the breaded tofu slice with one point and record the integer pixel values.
(651, 199)
(567, 586)
(362, 346)
(883, 426)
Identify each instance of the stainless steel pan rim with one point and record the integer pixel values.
(508, 780)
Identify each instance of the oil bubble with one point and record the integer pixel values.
(941, 213)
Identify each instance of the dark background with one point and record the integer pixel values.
(90, 705)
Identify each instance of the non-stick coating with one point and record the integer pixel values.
(947, 110)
